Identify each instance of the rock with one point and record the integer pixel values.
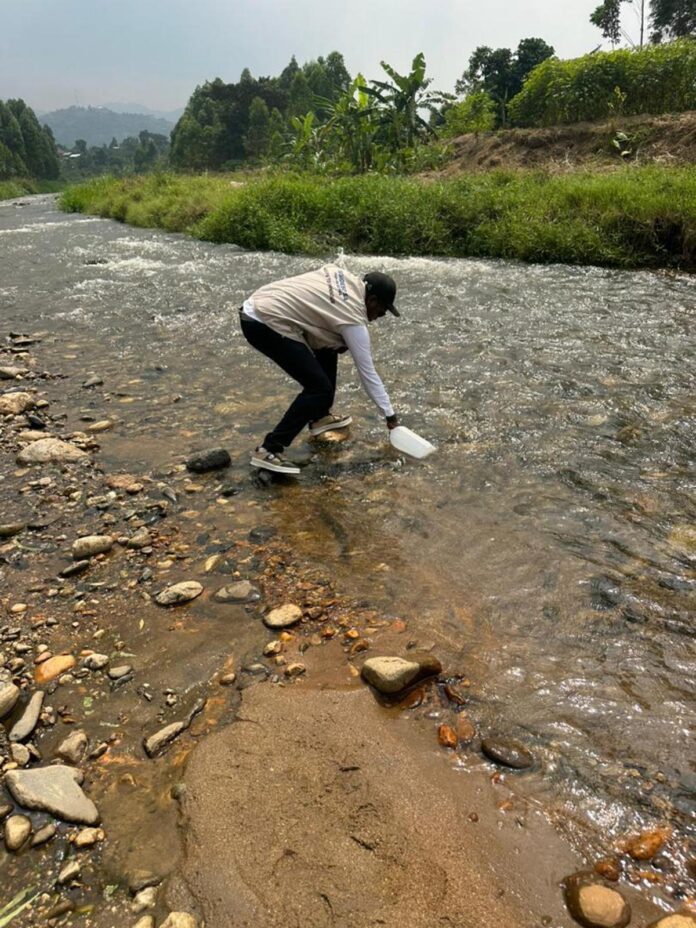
(8, 372)
(73, 748)
(17, 831)
(9, 694)
(122, 671)
(50, 451)
(8, 529)
(20, 754)
(227, 679)
(145, 899)
(179, 920)
(157, 742)
(91, 545)
(44, 834)
(683, 920)
(508, 753)
(102, 426)
(595, 904)
(447, 736)
(147, 921)
(203, 461)
(140, 539)
(54, 789)
(179, 593)
(72, 570)
(645, 845)
(295, 670)
(141, 879)
(283, 616)
(53, 667)
(466, 730)
(241, 592)
(14, 404)
(70, 871)
(88, 837)
(93, 380)
(26, 724)
(392, 674)
(95, 661)
(609, 868)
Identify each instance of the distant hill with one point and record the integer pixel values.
(171, 115)
(98, 125)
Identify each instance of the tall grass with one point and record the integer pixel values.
(635, 217)
(9, 189)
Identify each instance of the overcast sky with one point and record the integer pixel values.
(56, 53)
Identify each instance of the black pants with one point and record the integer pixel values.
(314, 371)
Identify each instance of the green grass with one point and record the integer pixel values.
(632, 217)
(20, 187)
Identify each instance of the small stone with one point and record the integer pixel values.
(8, 529)
(466, 730)
(179, 920)
(20, 754)
(72, 570)
(70, 871)
(104, 425)
(55, 789)
(273, 647)
(295, 670)
(140, 539)
(682, 920)
(14, 404)
(93, 380)
(26, 724)
(141, 879)
(147, 921)
(145, 899)
(645, 845)
(51, 450)
(91, 545)
(241, 592)
(390, 675)
(283, 616)
(9, 694)
(53, 667)
(508, 753)
(447, 736)
(44, 834)
(10, 372)
(227, 679)
(17, 831)
(88, 837)
(179, 593)
(95, 661)
(122, 671)
(73, 748)
(203, 461)
(609, 868)
(594, 904)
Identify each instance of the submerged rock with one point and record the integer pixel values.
(241, 592)
(390, 675)
(179, 593)
(157, 742)
(647, 844)
(213, 459)
(49, 451)
(72, 749)
(54, 789)
(508, 753)
(284, 616)
(594, 904)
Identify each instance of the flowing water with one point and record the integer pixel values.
(548, 550)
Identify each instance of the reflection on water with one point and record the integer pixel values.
(548, 550)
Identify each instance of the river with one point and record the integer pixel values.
(547, 550)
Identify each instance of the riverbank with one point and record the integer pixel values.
(20, 187)
(630, 218)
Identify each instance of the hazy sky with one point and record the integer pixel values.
(56, 53)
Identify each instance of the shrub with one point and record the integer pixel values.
(476, 113)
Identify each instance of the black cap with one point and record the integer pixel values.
(383, 287)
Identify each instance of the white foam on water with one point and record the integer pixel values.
(137, 265)
(48, 226)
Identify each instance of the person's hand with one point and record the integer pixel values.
(392, 422)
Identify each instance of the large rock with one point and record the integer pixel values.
(91, 545)
(283, 616)
(54, 789)
(595, 904)
(179, 593)
(14, 404)
(53, 667)
(51, 451)
(508, 753)
(26, 723)
(203, 461)
(241, 592)
(390, 675)
(9, 694)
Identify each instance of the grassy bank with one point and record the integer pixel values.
(629, 218)
(9, 189)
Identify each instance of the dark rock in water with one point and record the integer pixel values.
(36, 422)
(230, 491)
(213, 459)
(606, 593)
(594, 903)
(508, 753)
(78, 567)
(8, 529)
(241, 592)
(261, 535)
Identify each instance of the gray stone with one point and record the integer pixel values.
(14, 404)
(157, 742)
(594, 903)
(390, 675)
(179, 920)
(95, 661)
(91, 545)
(117, 672)
(179, 593)
(140, 539)
(283, 616)
(26, 724)
(70, 871)
(49, 451)
(241, 592)
(72, 570)
(8, 529)
(17, 831)
(93, 380)
(9, 694)
(213, 459)
(44, 834)
(508, 753)
(54, 789)
(20, 754)
(9, 372)
(73, 748)
(145, 899)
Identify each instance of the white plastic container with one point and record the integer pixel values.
(410, 443)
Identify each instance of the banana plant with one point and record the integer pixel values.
(352, 126)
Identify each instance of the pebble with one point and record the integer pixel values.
(157, 742)
(26, 724)
(140, 539)
(72, 570)
(213, 459)
(9, 694)
(55, 789)
(20, 754)
(17, 831)
(447, 736)
(147, 921)
(609, 868)
(44, 834)
(273, 647)
(8, 529)
(49, 451)
(647, 844)
(241, 592)
(179, 593)
(295, 670)
(91, 545)
(53, 667)
(102, 426)
(466, 730)
(508, 753)
(73, 748)
(14, 404)
(227, 679)
(95, 661)
(145, 899)
(70, 871)
(283, 616)
(392, 674)
(682, 920)
(88, 837)
(93, 380)
(179, 920)
(594, 904)
(121, 671)
(141, 879)
(10, 372)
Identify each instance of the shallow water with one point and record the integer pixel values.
(548, 550)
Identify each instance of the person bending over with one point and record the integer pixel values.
(302, 324)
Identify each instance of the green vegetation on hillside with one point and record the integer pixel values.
(26, 149)
(630, 218)
(97, 125)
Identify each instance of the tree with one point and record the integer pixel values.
(257, 139)
(607, 17)
(476, 113)
(277, 135)
(673, 19)
(301, 96)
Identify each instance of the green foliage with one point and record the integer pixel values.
(258, 138)
(629, 218)
(475, 113)
(148, 152)
(673, 19)
(607, 17)
(657, 79)
(26, 149)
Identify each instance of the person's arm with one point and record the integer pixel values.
(357, 338)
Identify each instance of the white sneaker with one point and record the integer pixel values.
(266, 460)
(328, 424)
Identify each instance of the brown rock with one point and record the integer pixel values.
(682, 920)
(466, 730)
(284, 616)
(53, 667)
(594, 904)
(645, 845)
(609, 868)
(14, 404)
(447, 736)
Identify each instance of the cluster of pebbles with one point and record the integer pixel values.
(56, 624)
